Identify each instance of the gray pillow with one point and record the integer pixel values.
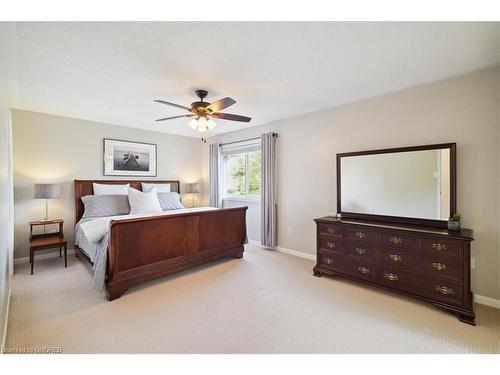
(170, 201)
(105, 205)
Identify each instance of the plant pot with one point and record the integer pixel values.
(453, 225)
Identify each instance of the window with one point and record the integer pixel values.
(241, 165)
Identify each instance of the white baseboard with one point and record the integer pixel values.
(286, 251)
(4, 335)
(296, 253)
(487, 301)
(42, 256)
(482, 300)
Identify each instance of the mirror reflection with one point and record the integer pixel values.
(412, 184)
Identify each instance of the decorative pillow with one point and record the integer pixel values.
(108, 189)
(160, 188)
(105, 205)
(143, 203)
(170, 201)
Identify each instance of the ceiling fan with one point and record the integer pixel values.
(202, 111)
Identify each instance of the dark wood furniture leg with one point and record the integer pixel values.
(32, 256)
(65, 255)
(60, 254)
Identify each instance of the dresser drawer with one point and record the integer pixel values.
(398, 279)
(332, 244)
(398, 258)
(360, 249)
(445, 291)
(397, 240)
(447, 268)
(357, 268)
(437, 246)
(330, 230)
(361, 234)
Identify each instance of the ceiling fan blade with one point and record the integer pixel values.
(171, 118)
(173, 105)
(219, 105)
(229, 116)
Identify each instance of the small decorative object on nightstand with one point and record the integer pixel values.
(193, 189)
(47, 240)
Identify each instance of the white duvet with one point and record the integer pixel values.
(95, 230)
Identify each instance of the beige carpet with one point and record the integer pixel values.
(267, 302)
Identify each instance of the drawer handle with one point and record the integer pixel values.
(439, 266)
(395, 257)
(438, 246)
(364, 269)
(331, 245)
(328, 260)
(360, 234)
(396, 240)
(391, 276)
(360, 251)
(444, 290)
(331, 230)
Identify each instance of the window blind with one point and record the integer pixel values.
(241, 147)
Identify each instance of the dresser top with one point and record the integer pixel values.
(462, 233)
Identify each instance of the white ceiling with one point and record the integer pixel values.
(111, 72)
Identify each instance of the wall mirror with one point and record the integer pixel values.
(413, 185)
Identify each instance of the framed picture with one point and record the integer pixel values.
(123, 158)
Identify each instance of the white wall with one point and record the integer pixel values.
(463, 109)
(50, 148)
(253, 216)
(8, 76)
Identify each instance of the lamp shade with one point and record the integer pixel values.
(46, 191)
(193, 188)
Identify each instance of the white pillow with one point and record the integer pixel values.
(143, 203)
(108, 189)
(160, 188)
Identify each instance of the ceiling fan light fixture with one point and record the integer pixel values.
(211, 124)
(202, 124)
(193, 123)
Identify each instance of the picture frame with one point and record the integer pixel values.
(127, 158)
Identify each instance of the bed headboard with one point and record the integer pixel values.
(84, 187)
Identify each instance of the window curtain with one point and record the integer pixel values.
(269, 202)
(213, 175)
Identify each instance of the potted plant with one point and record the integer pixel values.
(454, 222)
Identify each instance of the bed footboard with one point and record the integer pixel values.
(143, 249)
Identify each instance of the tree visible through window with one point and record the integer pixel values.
(242, 174)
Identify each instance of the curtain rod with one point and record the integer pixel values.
(244, 140)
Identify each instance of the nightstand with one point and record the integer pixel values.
(47, 240)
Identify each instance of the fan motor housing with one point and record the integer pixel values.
(200, 107)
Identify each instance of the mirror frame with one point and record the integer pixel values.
(398, 219)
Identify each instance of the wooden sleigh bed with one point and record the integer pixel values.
(142, 249)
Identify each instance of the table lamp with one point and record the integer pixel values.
(46, 191)
(193, 189)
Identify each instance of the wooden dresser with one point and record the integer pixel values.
(426, 263)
